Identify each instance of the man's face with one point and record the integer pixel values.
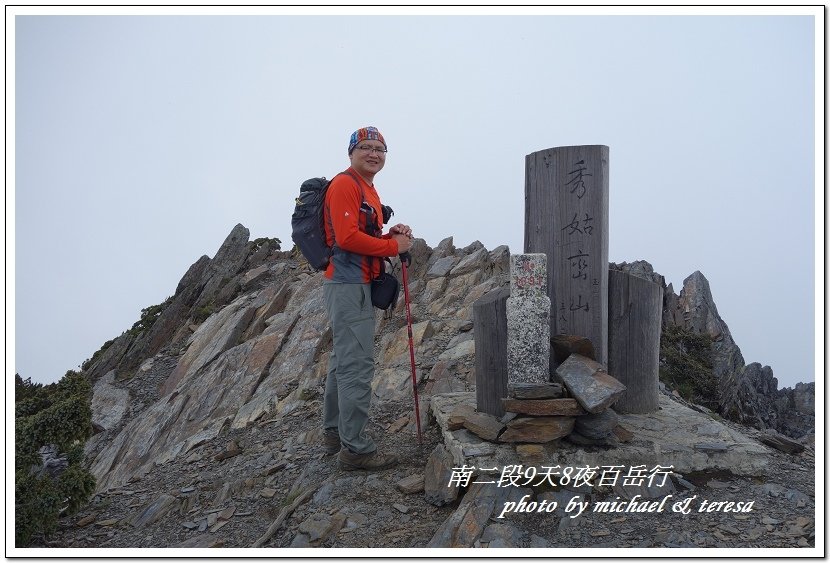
(367, 161)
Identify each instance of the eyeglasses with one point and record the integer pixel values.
(367, 148)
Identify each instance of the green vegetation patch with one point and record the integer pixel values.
(257, 243)
(149, 316)
(59, 416)
(686, 365)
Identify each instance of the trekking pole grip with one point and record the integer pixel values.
(406, 258)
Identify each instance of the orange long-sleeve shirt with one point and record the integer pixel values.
(352, 213)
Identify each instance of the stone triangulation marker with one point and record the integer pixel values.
(528, 320)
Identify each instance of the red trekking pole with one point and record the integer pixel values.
(406, 259)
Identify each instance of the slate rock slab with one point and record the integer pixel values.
(544, 407)
(483, 425)
(157, 510)
(588, 383)
(522, 390)
(503, 535)
(437, 475)
(464, 526)
(537, 429)
(780, 442)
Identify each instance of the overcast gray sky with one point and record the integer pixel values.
(141, 140)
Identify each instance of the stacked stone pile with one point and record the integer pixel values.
(577, 407)
(540, 413)
(595, 391)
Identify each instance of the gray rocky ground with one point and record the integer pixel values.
(230, 502)
(216, 441)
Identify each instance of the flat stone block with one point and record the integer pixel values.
(543, 407)
(483, 425)
(589, 384)
(538, 429)
(523, 390)
(477, 449)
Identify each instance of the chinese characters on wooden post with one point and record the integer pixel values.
(566, 217)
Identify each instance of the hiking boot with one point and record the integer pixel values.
(369, 462)
(331, 441)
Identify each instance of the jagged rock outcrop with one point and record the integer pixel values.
(244, 341)
(207, 286)
(747, 394)
(695, 309)
(203, 438)
(262, 353)
(797, 410)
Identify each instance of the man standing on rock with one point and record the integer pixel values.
(354, 221)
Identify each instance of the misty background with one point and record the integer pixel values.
(141, 140)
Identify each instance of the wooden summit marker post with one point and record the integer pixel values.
(635, 317)
(566, 217)
(490, 325)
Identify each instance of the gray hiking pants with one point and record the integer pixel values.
(351, 364)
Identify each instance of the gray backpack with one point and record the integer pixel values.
(307, 230)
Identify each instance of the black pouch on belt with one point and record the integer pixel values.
(385, 290)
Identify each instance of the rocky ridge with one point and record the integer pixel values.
(209, 421)
(747, 394)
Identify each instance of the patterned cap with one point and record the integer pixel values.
(363, 134)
